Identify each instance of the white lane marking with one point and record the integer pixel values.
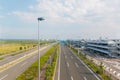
(65, 57)
(59, 64)
(23, 64)
(4, 77)
(71, 57)
(85, 65)
(76, 65)
(85, 78)
(67, 64)
(71, 78)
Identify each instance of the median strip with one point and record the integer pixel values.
(50, 71)
(32, 72)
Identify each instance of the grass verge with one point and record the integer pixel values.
(1, 58)
(51, 67)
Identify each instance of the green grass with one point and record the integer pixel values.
(45, 57)
(12, 46)
(51, 67)
(21, 51)
(1, 58)
(95, 68)
(32, 71)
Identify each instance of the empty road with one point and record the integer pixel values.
(70, 67)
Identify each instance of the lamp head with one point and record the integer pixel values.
(41, 19)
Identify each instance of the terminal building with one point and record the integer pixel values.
(105, 47)
(108, 47)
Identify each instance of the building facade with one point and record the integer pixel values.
(105, 47)
(108, 47)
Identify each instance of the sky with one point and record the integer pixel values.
(64, 19)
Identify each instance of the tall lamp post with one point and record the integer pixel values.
(39, 19)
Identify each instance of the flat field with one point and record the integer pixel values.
(10, 46)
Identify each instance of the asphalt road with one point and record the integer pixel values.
(12, 72)
(8, 58)
(12, 58)
(70, 67)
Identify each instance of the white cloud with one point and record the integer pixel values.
(72, 10)
(101, 15)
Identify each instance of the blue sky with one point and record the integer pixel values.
(65, 19)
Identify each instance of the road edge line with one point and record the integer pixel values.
(59, 64)
(85, 65)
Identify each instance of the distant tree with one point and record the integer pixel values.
(20, 48)
(25, 47)
(34, 45)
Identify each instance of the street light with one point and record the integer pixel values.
(39, 19)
